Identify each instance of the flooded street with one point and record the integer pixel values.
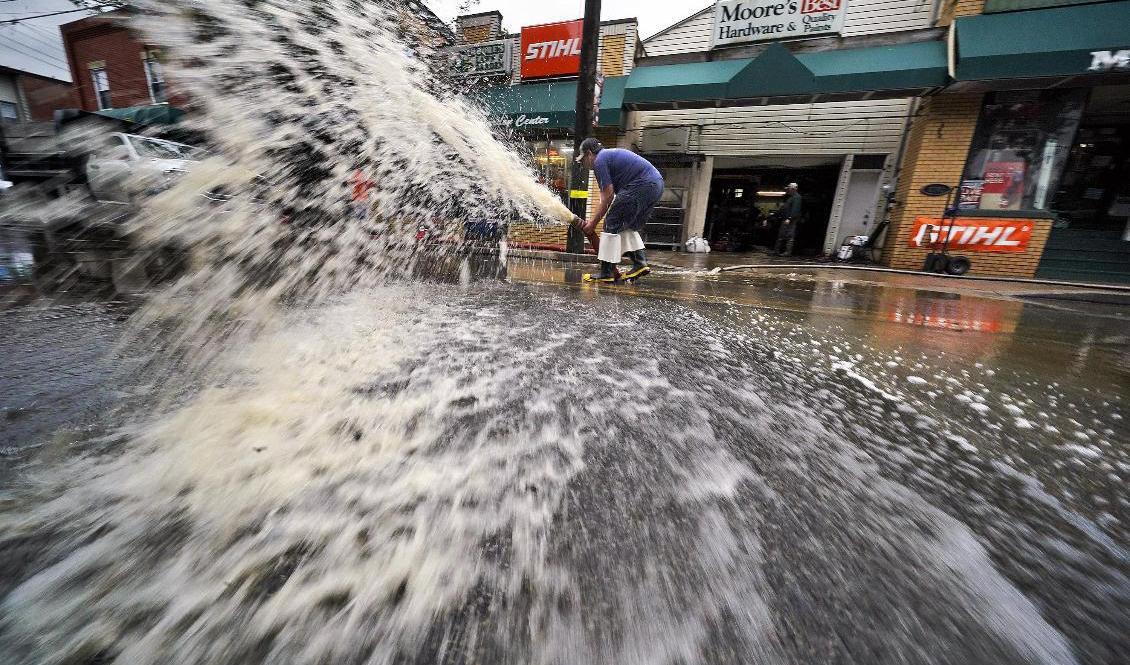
(753, 469)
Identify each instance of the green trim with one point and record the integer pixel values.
(998, 6)
(774, 73)
(693, 81)
(1009, 214)
(777, 72)
(905, 66)
(1044, 42)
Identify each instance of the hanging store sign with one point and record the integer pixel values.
(971, 193)
(741, 21)
(973, 234)
(552, 50)
(484, 58)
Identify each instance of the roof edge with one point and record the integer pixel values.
(679, 23)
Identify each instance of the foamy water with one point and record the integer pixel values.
(418, 474)
(296, 98)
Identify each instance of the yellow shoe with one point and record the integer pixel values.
(587, 277)
(636, 273)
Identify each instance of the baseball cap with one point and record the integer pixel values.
(589, 145)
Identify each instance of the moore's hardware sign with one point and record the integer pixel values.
(742, 21)
(484, 59)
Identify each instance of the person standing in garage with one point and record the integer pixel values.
(790, 214)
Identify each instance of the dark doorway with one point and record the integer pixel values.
(742, 201)
(1091, 237)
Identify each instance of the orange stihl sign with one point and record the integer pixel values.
(973, 234)
(552, 50)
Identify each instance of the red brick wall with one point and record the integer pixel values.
(109, 41)
(45, 96)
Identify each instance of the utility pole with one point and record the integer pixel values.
(586, 116)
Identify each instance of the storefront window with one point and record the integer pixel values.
(553, 161)
(1020, 148)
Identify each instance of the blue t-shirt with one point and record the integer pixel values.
(621, 168)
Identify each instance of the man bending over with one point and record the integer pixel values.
(629, 189)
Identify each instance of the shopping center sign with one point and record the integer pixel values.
(552, 50)
(741, 21)
(484, 58)
(523, 120)
(973, 234)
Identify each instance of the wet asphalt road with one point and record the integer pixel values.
(833, 471)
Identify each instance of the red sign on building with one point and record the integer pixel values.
(820, 6)
(973, 234)
(552, 50)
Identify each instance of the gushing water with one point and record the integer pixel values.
(374, 470)
(300, 99)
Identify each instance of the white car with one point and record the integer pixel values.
(126, 162)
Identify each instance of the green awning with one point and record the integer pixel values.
(774, 73)
(777, 72)
(552, 105)
(156, 114)
(1039, 43)
(693, 81)
(900, 67)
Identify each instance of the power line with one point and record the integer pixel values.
(35, 54)
(69, 11)
(43, 43)
(54, 35)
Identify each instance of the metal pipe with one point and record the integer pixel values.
(586, 116)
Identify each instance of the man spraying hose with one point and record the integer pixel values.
(629, 189)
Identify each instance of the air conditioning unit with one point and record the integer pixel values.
(665, 139)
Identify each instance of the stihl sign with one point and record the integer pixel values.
(552, 50)
(973, 235)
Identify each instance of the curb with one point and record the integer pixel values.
(976, 278)
(537, 254)
(546, 255)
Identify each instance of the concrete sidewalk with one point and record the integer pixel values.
(828, 270)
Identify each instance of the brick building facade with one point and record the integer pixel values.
(45, 96)
(27, 97)
(1054, 129)
(936, 152)
(111, 68)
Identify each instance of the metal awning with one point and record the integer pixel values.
(552, 105)
(1063, 41)
(777, 73)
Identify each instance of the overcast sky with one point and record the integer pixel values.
(654, 15)
(36, 46)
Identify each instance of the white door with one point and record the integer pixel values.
(860, 205)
